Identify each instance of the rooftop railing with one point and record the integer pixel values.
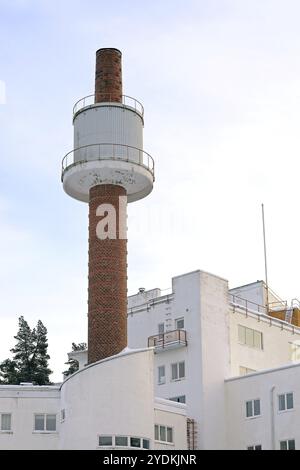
(105, 151)
(90, 100)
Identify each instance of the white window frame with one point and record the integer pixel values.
(287, 441)
(285, 402)
(247, 371)
(44, 431)
(244, 343)
(114, 446)
(6, 431)
(176, 323)
(254, 445)
(177, 365)
(166, 442)
(161, 324)
(161, 382)
(253, 416)
(175, 399)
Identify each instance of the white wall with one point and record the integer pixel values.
(201, 299)
(276, 344)
(172, 415)
(243, 432)
(23, 402)
(113, 397)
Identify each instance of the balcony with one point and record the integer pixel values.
(169, 340)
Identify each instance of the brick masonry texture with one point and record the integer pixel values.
(108, 80)
(107, 288)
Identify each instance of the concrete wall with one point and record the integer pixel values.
(276, 344)
(113, 396)
(201, 299)
(243, 432)
(23, 402)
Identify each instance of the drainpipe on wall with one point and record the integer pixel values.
(273, 442)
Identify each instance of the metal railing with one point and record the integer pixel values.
(101, 151)
(260, 313)
(166, 339)
(90, 100)
(247, 304)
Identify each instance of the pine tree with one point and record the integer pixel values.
(72, 363)
(41, 357)
(30, 357)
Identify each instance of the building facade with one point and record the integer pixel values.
(206, 368)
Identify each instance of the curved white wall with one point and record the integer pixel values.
(114, 124)
(113, 397)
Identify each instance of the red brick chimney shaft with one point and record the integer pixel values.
(108, 81)
(107, 291)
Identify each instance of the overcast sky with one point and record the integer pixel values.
(220, 83)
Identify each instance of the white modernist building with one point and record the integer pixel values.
(207, 368)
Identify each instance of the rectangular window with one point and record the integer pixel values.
(288, 444)
(161, 375)
(62, 415)
(179, 324)
(161, 328)
(252, 408)
(180, 399)
(146, 444)
(178, 370)
(121, 441)
(45, 422)
(156, 432)
(295, 352)
(245, 370)
(163, 433)
(169, 435)
(5, 422)
(255, 447)
(250, 337)
(135, 442)
(285, 401)
(105, 440)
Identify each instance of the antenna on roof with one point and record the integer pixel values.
(265, 254)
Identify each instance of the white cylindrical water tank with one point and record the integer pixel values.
(104, 124)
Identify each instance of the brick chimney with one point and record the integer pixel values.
(107, 288)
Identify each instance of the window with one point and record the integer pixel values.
(124, 441)
(178, 370)
(289, 444)
(255, 447)
(45, 422)
(245, 370)
(161, 328)
(179, 324)
(62, 415)
(163, 433)
(180, 399)
(252, 408)
(5, 422)
(105, 440)
(146, 444)
(295, 352)
(161, 375)
(121, 441)
(286, 401)
(250, 337)
(135, 442)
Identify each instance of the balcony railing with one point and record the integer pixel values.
(174, 338)
(90, 100)
(105, 151)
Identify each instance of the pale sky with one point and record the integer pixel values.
(220, 83)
